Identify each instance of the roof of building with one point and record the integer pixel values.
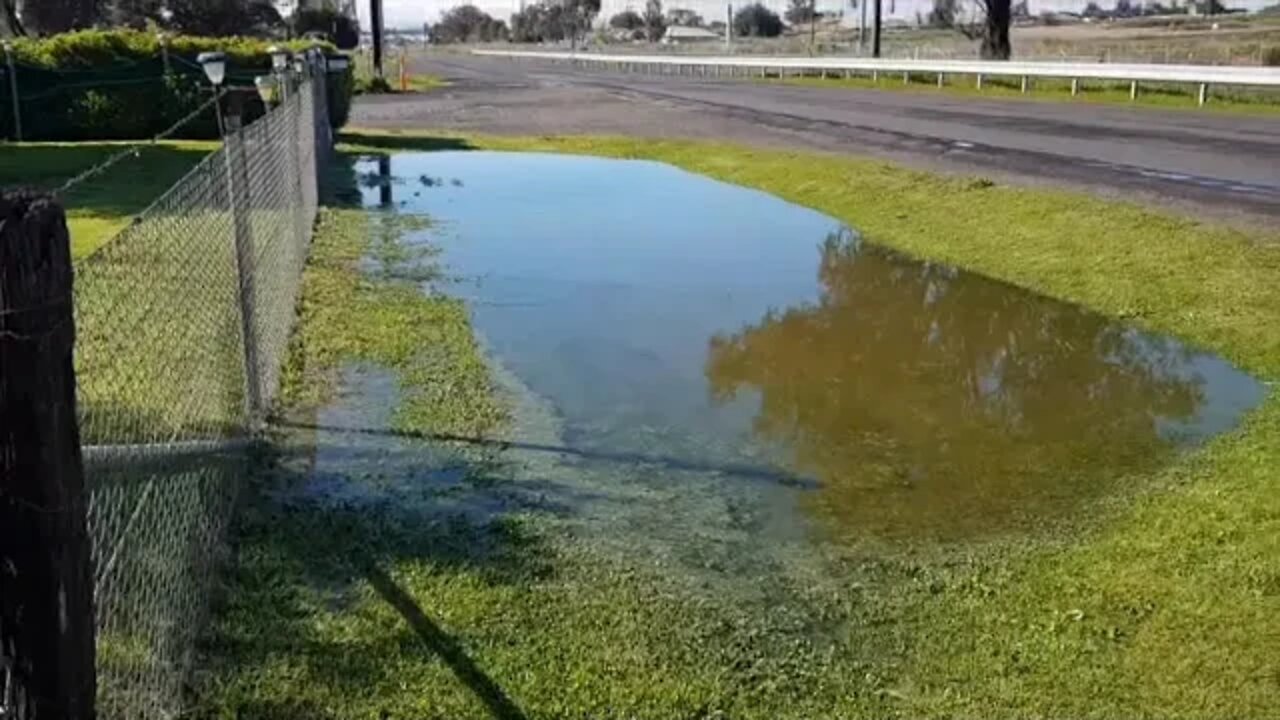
(680, 32)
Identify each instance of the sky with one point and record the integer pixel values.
(412, 13)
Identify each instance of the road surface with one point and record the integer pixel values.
(1221, 164)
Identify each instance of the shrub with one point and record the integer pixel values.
(115, 85)
(627, 20)
(1271, 56)
(756, 20)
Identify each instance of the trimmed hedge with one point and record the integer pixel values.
(116, 85)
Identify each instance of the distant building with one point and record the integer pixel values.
(910, 12)
(677, 34)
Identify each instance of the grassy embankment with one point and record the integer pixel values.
(1164, 605)
(1164, 96)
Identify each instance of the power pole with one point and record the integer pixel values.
(875, 32)
(862, 27)
(728, 27)
(375, 19)
(813, 24)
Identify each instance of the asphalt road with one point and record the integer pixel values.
(1206, 163)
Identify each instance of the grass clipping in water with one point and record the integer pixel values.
(382, 316)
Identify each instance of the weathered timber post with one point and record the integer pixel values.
(46, 576)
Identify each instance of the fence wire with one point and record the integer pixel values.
(182, 322)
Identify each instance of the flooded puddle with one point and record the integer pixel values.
(696, 363)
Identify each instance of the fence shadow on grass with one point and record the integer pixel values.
(319, 587)
(443, 645)
(746, 472)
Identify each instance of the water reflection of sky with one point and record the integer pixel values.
(657, 311)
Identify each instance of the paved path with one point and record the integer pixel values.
(1207, 163)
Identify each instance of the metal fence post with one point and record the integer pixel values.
(239, 201)
(295, 149)
(13, 91)
(46, 576)
(164, 53)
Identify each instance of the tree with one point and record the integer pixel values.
(627, 20)
(467, 23)
(539, 22)
(211, 17)
(339, 28)
(10, 24)
(945, 14)
(579, 14)
(991, 28)
(683, 18)
(655, 24)
(554, 20)
(995, 30)
(136, 14)
(49, 17)
(801, 11)
(756, 20)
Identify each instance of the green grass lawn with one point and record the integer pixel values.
(1165, 603)
(102, 205)
(1165, 96)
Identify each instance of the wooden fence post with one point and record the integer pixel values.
(46, 578)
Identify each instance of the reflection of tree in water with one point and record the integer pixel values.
(947, 404)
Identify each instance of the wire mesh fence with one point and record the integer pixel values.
(182, 325)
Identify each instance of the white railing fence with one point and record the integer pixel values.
(1202, 76)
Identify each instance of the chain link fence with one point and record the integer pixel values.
(182, 322)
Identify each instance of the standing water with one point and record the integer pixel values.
(710, 359)
(755, 467)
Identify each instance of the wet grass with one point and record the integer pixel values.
(1164, 605)
(102, 205)
(382, 318)
(403, 612)
(1162, 96)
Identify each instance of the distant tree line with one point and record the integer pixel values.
(554, 21)
(754, 20)
(190, 17)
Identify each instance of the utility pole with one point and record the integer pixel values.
(813, 24)
(375, 19)
(728, 27)
(862, 26)
(875, 31)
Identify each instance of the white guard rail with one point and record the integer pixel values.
(1201, 75)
